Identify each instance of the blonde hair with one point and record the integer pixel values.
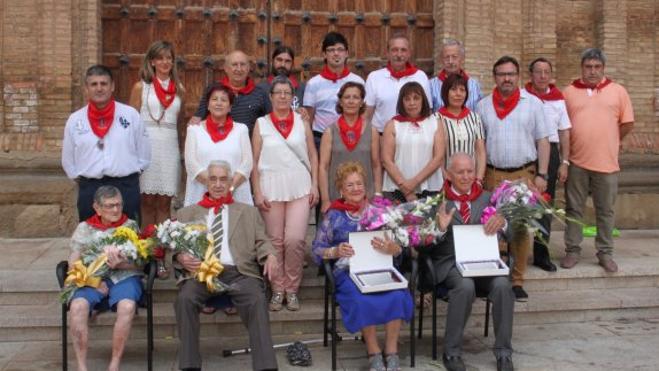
(147, 72)
(346, 169)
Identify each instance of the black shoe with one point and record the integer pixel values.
(453, 363)
(505, 364)
(520, 294)
(545, 265)
(541, 259)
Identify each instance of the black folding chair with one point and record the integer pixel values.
(329, 313)
(145, 302)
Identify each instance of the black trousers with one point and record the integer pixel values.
(129, 186)
(552, 172)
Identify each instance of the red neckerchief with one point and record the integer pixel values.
(245, 90)
(284, 126)
(217, 134)
(502, 106)
(292, 79)
(579, 84)
(334, 77)
(95, 222)
(475, 192)
(217, 204)
(409, 70)
(165, 96)
(442, 75)
(96, 116)
(415, 121)
(552, 94)
(350, 135)
(341, 205)
(445, 112)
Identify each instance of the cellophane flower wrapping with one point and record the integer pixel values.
(412, 224)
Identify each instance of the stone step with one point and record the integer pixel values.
(42, 322)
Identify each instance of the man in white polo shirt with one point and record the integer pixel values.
(320, 94)
(383, 85)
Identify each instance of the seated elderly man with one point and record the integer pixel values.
(240, 250)
(122, 285)
(465, 203)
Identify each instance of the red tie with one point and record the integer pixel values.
(464, 212)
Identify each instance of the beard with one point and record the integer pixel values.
(280, 71)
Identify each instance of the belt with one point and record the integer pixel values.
(129, 176)
(512, 169)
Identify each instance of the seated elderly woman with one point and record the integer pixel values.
(122, 285)
(360, 311)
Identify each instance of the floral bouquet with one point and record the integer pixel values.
(521, 206)
(92, 266)
(158, 252)
(195, 240)
(411, 223)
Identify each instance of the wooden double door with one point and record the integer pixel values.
(202, 31)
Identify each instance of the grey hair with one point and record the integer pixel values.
(104, 192)
(454, 42)
(457, 155)
(593, 53)
(280, 79)
(222, 164)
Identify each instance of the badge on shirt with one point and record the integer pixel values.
(125, 123)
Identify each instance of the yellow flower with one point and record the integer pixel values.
(196, 227)
(126, 233)
(143, 248)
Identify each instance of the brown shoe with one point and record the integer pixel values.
(292, 302)
(609, 265)
(277, 301)
(569, 261)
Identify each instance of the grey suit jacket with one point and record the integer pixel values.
(443, 253)
(249, 244)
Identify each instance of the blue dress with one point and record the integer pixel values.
(357, 310)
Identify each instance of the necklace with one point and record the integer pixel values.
(148, 109)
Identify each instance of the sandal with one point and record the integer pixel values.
(230, 311)
(393, 362)
(208, 310)
(375, 363)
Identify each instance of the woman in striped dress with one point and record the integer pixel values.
(463, 129)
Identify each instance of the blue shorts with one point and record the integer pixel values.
(129, 288)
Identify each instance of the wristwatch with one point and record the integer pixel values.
(543, 176)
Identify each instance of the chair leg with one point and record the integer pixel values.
(334, 334)
(325, 313)
(65, 358)
(421, 301)
(487, 317)
(412, 337)
(434, 324)
(149, 330)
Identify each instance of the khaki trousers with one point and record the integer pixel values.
(520, 243)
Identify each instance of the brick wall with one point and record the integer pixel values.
(45, 46)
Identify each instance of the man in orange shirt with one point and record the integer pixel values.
(601, 114)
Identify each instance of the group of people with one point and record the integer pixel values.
(259, 157)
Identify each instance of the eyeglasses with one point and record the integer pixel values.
(112, 206)
(506, 74)
(335, 50)
(282, 92)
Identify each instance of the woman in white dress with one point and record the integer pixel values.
(158, 98)
(218, 137)
(285, 182)
(413, 148)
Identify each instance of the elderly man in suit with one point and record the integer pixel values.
(466, 202)
(240, 250)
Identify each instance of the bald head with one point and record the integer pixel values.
(461, 172)
(236, 66)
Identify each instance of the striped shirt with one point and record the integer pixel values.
(473, 87)
(511, 142)
(461, 135)
(245, 108)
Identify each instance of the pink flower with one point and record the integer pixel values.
(488, 212)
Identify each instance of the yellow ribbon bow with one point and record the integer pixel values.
(81, 276)
(209, 269)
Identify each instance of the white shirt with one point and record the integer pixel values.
(126, 147)
(511, 142)
(225, 253)
(414, 149)
(556, 118)
(382, 93)
(321, 94)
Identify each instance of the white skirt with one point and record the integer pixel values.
(164, 172)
